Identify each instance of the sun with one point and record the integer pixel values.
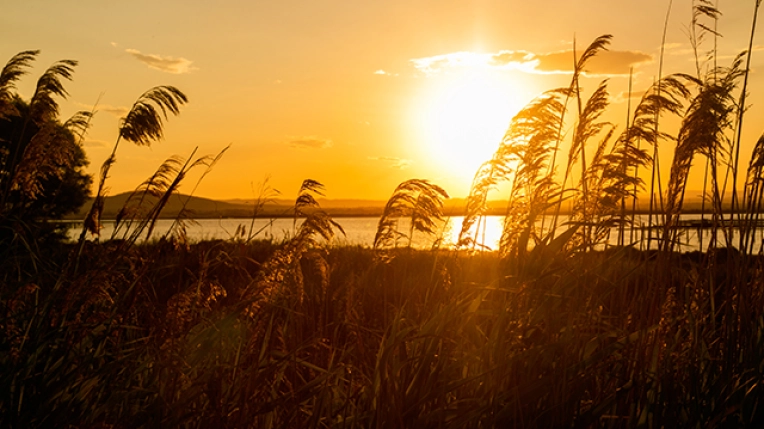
(462, 119)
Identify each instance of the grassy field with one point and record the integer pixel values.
(234, 334)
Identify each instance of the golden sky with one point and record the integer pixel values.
(359, 95)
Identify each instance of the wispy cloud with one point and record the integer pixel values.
(95, 143)
(118, 111)
(605, 63)
(624, 96)
(439, 63)
(309, 142)
(166, 64)
(381, 72)
(393, 162)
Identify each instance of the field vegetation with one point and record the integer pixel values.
(554, 328)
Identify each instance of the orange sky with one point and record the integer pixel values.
(357, 95)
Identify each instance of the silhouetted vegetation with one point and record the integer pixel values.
(558, 327)
(41, 160)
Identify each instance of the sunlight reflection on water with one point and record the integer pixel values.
(360, 231)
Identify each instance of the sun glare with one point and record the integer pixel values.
(463, 119)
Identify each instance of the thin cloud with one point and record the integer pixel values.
(309, 142)
(624, 96)
(438, 63)
(393, 162)
(95, 143)
(670, 46)
(166, 64)
(118, 111)
(611, 63)
(381, 72)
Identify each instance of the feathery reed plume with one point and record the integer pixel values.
(528, 145)
(145, 204)
(486, 178)
(617, 178)
(13, 70)
(740, 114)
(753, 196)
(591, 210)
(524, 150)
(598, 100)
(655, 177)
(208, 162)
(266, 194)
(51, 148)
(280, 280)
(163, 185)
(142, 125)
(43, 106)
(142, 199)
(698, 30)
(148, 223)
(587, 128)
(305, 199)
(419, 199)
(703, 130)
(42, 110)
(579, 67)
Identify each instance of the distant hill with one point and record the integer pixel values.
(201, 208)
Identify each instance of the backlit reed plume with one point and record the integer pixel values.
(39, 117)
(587, 128)
(618, 179)
(574, 90)
(753, 197)
(142, 125)
(14, 69)
(709, 117)
(46, 153)
(740, 116)
(524, 151)
(280, 280)
(43, 105)
(420, 201)
(528, 145)
(488, 176)
(141, 210)
(177, 230)
(306, 199)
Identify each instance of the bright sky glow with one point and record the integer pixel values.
(463, 119)
(357, 95)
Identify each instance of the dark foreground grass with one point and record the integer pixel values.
(546, 332)
(230, 335)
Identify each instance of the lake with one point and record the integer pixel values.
(360, 231)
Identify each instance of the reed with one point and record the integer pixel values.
(420, 201)
(556, 328)
(142, 125)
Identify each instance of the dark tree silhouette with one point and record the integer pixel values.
(41, 161)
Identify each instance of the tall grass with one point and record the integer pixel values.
(557, 328)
